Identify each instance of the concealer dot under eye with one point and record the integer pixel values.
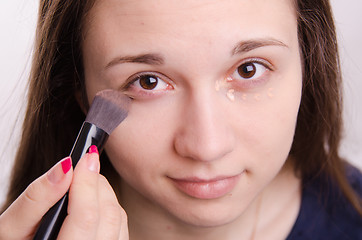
(217, 85)
(230, 95)
(270, 92)
(266, 94)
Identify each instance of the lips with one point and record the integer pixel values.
(207, 189)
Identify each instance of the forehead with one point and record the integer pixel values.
(188, 13)
(148, 24)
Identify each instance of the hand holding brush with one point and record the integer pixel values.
(108, 110)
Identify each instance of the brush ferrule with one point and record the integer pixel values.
(88, 135)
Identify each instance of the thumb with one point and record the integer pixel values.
(24, 214)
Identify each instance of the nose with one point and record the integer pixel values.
(204, 133)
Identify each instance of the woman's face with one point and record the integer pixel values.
(216, 88)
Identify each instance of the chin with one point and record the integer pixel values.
(208, 214)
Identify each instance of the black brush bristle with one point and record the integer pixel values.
(109, 108)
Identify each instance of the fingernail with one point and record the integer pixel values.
(56, 173)
(93, 149)
(66, 165)
(93, 164)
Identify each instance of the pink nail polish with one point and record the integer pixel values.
(93, 149)
(66, 165)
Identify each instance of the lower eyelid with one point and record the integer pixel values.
(135, 93)
(249, 84)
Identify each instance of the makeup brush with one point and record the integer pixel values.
(109, 108)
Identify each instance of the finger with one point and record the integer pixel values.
(83, 213)
(113, 218)
(22, 217)
(124, 235)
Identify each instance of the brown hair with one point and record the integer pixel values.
(53, 117)
(319, 125)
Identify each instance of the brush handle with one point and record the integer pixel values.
(88, 135)
(52, 221)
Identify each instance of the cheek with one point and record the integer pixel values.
(267, 132)
(129, 154)
(139, 146)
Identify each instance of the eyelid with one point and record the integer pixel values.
(261, 61)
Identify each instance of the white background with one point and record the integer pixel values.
(17, 21)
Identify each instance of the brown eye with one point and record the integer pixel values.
(247, 70)
(148, 82)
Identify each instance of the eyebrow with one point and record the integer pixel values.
(249, 45)
(157, 59)
(150, 58)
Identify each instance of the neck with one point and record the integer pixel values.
(264, 218)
